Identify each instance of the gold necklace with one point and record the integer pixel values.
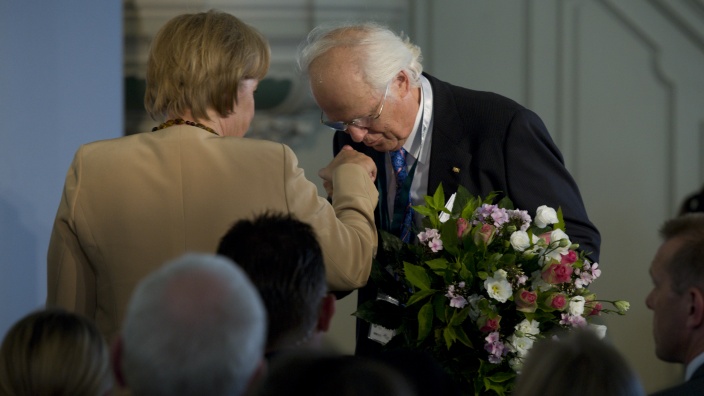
(181, 121)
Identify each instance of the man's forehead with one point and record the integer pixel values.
(334, 65)
(666, 251)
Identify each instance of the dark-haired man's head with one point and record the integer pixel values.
(283, 259)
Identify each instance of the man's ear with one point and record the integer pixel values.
(116, 362)
(327, 310)
(403, 83)
(695, 318)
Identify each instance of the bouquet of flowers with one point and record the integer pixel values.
(480, 285)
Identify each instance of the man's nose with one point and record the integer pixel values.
(356, 133)
(649, 300)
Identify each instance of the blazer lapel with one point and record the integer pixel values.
(450, 155)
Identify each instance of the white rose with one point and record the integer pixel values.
(528, 327)
(520, 240)
(559, 235)
(576, 307)
(544, 216)
(560, 241)
(498, 287)
(521, 345)
(599, 330)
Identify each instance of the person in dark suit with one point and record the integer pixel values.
(677, 300)
(369, 83)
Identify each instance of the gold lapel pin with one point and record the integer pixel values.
(456, 169)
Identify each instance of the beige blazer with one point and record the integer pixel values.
(130, 204)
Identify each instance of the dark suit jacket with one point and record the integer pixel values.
(498, 145)
(695, 386)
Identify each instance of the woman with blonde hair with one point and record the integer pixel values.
(54, 352)
(133, 203)
(576, 363)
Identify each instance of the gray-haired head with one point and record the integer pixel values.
(380, 52)
(195, 326)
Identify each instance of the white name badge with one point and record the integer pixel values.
(378, 333)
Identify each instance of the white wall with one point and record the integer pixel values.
(60, 86)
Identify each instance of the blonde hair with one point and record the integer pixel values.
(196, 62)
(577, 363)
(54, 352)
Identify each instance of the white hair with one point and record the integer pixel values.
(196, 326)
(382, 52)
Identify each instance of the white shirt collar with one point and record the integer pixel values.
(415, 145)
(693, 366)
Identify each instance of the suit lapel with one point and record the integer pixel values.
(450, 155)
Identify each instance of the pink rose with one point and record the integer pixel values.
(569, 258)
(596, 310)
(545, 237)
(557, 273)
(462, 227)
(488, 325)
(556, 301)
(485, 234)
(526, 301)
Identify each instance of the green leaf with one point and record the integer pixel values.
(506, 203)
(390, 242)
(449, 335)
(462, 336)
(560, 221)
(380, 312)
(508, 259)
(448, 232)
(439, 305)
(377, 274)
(490, 386)
(470, 207)
(437, 264)
(448, 313)
(502, 377)
(425, 321)
(420, 295)
(439, 198)
(423, 210)
(459, 316)
(462, 198)
(417, 275)
(499, 382)
(467, 275)
(490, 197)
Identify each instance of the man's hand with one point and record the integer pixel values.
(347, 155)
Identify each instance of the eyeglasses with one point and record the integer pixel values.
(362, 122)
